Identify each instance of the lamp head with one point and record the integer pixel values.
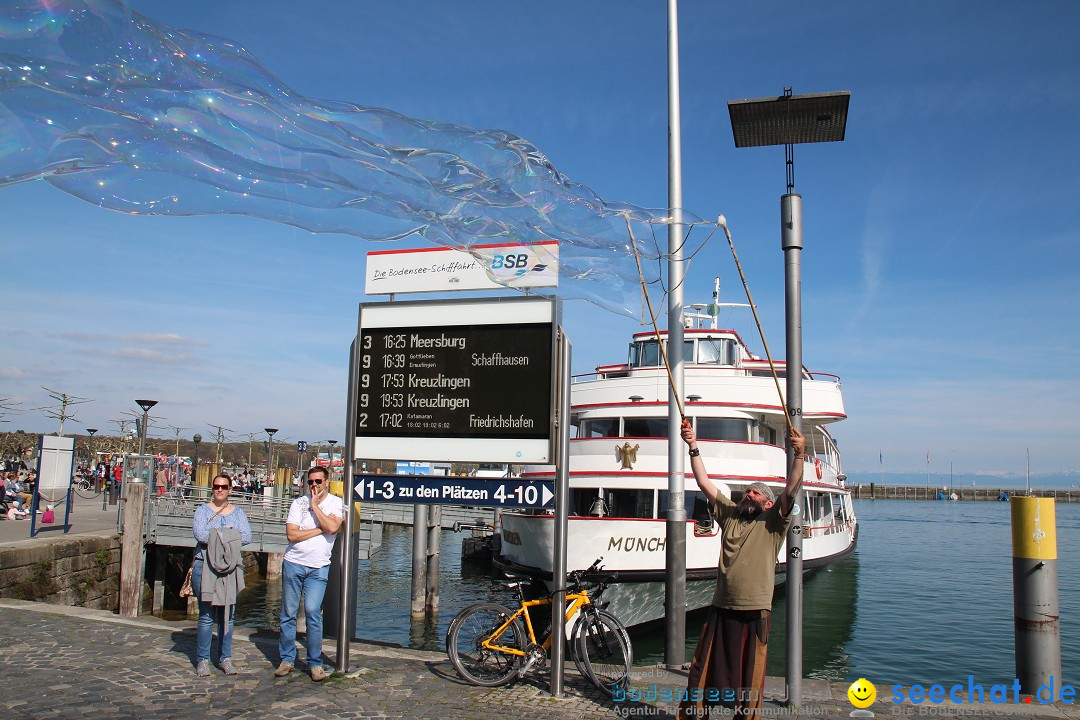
(146, 404)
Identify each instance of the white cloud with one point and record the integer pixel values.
(165, 339)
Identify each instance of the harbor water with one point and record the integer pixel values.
(927, 598)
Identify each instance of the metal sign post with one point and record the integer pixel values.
(346, 558)
(562, 502)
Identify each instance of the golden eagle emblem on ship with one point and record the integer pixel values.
(626, 455)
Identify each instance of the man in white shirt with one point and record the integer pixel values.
(311, 527)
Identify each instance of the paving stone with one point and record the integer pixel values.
(72, 663)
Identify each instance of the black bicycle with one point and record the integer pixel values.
(86, 486)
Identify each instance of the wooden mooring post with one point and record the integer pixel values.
(131, 549)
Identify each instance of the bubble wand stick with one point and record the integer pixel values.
(652, 316)
(722, 222)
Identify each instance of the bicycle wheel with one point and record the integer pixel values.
(85, 489)
(602, 650)
(475, 663)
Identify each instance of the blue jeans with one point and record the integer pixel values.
(297, 579)
(208, 615)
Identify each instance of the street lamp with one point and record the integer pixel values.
(331, 468)
(195, 460)
(270, 454)
(90, 432)
(145, 405)
(788, 120)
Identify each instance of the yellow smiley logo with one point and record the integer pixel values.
(862, 693)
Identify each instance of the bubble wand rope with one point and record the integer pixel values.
(722, 222)
(652, 316)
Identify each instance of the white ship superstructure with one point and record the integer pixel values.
(619, 468)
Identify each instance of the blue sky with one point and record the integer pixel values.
(941, 240)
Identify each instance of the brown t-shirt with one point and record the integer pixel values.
(747, 566)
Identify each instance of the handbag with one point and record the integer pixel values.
(186, 590)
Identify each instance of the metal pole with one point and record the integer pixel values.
(792, 243)
(419, 561)
(675, 547)
(347, 602)
(562, 502)
(431, 603)
(142, 431)
(1035, 595)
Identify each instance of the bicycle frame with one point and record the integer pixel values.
(577, 600)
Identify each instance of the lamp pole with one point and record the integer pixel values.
(331, 468)
(145, 405)
(270, 454)
(675, 527)
(90, 432)
(195, 460)
(788, 120)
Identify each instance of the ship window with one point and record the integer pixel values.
(645, 427)
(599, 427)
(696, 506)
(583, 502)
(629, 503)
(645, 354)
(709, 428)
(716, 351)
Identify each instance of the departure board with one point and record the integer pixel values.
(480, 381)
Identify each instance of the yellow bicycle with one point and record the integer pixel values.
(489, 645)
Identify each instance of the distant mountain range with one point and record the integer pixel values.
(1059, 480)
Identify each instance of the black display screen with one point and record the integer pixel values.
(459, 381)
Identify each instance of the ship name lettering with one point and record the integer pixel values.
(639, 544)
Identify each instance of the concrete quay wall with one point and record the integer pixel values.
(78, 570)
(875, 491)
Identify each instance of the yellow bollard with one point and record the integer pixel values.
(1037, 634)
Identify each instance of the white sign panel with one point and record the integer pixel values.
(440, 269)
(54, 466)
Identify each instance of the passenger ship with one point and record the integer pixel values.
(619, 460)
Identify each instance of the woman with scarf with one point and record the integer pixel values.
(219, 528)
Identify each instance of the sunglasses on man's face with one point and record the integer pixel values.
(221, 487)
(314, 482)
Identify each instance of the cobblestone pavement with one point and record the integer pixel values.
(60, 662)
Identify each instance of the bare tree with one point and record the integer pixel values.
(60, 412)
(7, 407)
(177, 430)
(220, 439)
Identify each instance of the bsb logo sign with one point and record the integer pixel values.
(484, 267)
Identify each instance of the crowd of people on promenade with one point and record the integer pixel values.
(17, 490)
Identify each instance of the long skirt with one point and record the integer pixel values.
(728, 668)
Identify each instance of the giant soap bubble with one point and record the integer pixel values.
(123, 112)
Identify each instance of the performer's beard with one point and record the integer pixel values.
(748, 509)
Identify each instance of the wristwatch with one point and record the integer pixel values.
(694, 452)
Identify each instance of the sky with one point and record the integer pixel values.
(941, 246)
